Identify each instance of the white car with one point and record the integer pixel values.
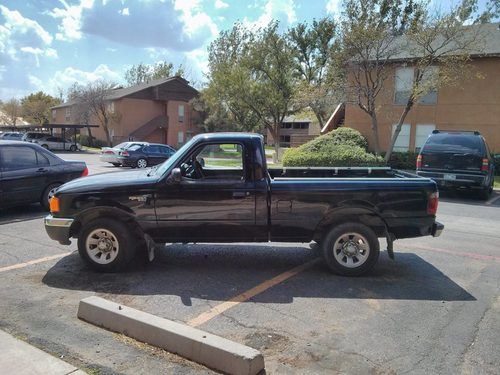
(110, 154)
(57, 143)
(11, 136)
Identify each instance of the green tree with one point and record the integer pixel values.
(145, 73)
(36, 107)
(252, 75)
(12, 110)
(320, 81)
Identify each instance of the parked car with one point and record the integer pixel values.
(458, 160)
(203, 195)
(30, 173)
(11, 136)
(31, 136)
(58, 143)
(144, 155)
(110, 154)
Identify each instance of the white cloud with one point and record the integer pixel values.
(71, 19)
(219, 4)
(195, 20)
(15, 22)
(333, 6)
(281, 10)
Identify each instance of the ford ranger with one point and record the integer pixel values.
(217, 188)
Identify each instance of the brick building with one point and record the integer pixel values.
(157, 111)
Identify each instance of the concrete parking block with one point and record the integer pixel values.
(210, 350)
(18, 357)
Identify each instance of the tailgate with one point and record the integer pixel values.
(452, 161)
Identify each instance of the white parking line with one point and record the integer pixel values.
(34, 261)
(492, 200)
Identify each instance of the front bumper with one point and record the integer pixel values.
(437, 229)
(58, 229)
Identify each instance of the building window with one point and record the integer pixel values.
(181, 112)
(54, 114)
(68, 114)
(189, 135)
(180, 138)
(284, 141)
(403, 141)
(286, 125)
(403, 85)
(429, 78)
(421, 135)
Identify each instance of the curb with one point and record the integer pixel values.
(210, 350)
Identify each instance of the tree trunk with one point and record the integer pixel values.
(408, 106)
(276, 137)
(91, 140)
(376, 142)
(106, 130)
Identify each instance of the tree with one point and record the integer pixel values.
(80, 110)
(36, 107)
(252, 74)
(369, 30)
(12, 110)
(440, 48)
(313, 50)
(145, 73)
(90, 102)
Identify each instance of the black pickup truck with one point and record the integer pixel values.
(217, 188)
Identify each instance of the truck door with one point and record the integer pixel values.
(215, 200)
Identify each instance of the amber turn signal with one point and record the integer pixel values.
(54, 205)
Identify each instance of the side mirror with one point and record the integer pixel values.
(175, 176)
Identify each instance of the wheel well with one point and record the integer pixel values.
(46, 187)
(370, 219)
(113, 213)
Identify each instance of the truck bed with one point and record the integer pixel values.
(338, 172)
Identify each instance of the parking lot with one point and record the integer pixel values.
(434, 309)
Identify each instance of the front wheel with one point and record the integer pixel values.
(45, 146)
(47, 194)
(351, 249)
(106, 245)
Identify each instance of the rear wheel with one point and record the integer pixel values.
(47, 194)
(106, 245)
(45, 146)
(72, 148)
(485, 193)
(142, 163)
(351, 249)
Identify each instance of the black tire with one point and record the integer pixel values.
(116, 164)
(72, 148)
(485, 193)
(46, 195)
(141, 163)
(351, 231)
(45, 146)
(125, 244)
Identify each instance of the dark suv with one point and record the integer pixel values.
(458, 159)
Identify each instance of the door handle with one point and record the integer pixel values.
(241, 194)
(42, 170)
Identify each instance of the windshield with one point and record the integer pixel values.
(162, 168)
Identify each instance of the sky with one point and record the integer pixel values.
(50, 44)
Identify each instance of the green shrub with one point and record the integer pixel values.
(339, 137)
(341, 156)
(403, 160)
(343, 147)
(84, 140)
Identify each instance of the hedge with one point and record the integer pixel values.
(84, 140)
(403, 160)
(341, 156)
(339, 137)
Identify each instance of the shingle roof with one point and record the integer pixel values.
(488, 42)
(125, 91)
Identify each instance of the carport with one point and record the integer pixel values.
(51, 127)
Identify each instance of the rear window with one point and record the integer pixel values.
(462, 143)
(134, 147)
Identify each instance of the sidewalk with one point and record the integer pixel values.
(18, 357)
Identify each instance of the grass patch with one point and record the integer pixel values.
(497, 182)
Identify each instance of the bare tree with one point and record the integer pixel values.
(90, 102)
(369, 33)
(440, 49)
(12, 109)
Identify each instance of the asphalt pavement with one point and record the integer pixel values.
(434, 309)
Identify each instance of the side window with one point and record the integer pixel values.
(42, 160)
(216, 161)
(18, 158)
(151, 149)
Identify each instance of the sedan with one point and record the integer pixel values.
(142, 156)
(110, 154)
(57, 143)
(30, 173)
(11, 136)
